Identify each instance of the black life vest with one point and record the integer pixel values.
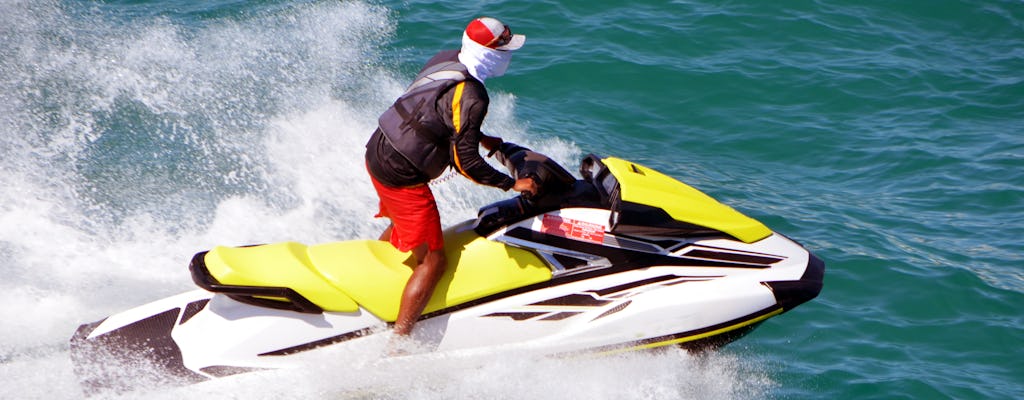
(413, 126)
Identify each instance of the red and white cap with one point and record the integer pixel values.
(489, 32)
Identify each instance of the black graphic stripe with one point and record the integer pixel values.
(145, 343)
(221, 371)
(631, 285)
(320, 343)
(517, 316)
(733, 257)
(575, 300)
(560, 316)
(192, 309)
(614, 310)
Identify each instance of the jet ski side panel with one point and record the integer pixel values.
(617, 311)
(239, 335)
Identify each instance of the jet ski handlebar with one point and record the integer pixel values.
(550, 177)
(556, 188)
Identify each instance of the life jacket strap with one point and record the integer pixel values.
(438, 72)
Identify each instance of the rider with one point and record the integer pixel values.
(434, 125)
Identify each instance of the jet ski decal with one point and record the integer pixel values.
(573, 229)
(319, 343)
(563, 307)
(614, 310)
(518, 316)
(140, 352)
(556, 309)
(221, 371)
(192, 309)
(712, 253)
(617, 291)
(575, 299)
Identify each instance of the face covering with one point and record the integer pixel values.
(482, 61)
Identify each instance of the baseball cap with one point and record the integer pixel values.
(490, 32)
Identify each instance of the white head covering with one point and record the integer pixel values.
(483, 62)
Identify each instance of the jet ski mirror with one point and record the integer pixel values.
(591, 167)
(596, 173)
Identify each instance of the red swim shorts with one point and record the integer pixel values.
(413, 212)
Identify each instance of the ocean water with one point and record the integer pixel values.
(887, 137)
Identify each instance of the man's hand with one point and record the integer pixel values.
(490, 142)
(526, 186)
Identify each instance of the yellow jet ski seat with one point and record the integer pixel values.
(371, 274)
(278, 275)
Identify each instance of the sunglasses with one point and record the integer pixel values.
(502, 40)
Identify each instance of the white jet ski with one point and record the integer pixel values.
(626, 258)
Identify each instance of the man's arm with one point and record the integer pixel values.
(467, 104)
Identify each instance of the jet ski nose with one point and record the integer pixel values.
(790, 294)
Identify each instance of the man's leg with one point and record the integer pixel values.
(420, 287)
(386, 235)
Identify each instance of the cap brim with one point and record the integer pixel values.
(514, 44)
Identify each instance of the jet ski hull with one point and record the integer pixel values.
(200, 335)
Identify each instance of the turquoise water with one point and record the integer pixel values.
(888, 137)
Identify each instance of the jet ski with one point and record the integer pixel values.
(624, 259)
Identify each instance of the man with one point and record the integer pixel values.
(433, 126)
